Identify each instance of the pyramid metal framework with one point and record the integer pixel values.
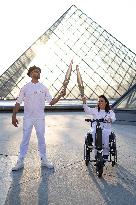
(106, 65)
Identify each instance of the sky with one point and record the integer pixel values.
(23, 21)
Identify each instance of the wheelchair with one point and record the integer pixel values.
(88, 147)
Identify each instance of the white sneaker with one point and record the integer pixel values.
(45, 163)
(19, 165)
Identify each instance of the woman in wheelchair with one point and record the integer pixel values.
(102, 111)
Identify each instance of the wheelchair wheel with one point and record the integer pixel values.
(86, 154)
(115, 158)
(99, 165)
(113, 149)
(99, 171)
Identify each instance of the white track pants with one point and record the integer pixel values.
(39, 125)
(105, 140)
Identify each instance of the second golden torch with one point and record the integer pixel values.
(80, 82)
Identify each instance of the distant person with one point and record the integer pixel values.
(102, 111)
(34, 94)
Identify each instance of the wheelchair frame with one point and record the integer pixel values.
(88, 147)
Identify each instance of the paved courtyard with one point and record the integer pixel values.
(71, 182)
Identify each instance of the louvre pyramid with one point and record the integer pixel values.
(127, 101)
(106, 65)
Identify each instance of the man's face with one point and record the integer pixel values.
(35, 74)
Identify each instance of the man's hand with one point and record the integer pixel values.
(15, 110)
(56, 99)
(14, 121)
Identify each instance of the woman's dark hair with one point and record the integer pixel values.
(107, 107)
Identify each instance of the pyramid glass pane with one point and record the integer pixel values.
(106, 65)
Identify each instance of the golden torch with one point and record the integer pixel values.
(80, 82)
(67, 76)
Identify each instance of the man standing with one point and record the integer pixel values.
(34, 95)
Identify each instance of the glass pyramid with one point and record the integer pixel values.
(106, 65)
(127, 101)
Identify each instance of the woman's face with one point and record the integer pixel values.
(102, 103)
